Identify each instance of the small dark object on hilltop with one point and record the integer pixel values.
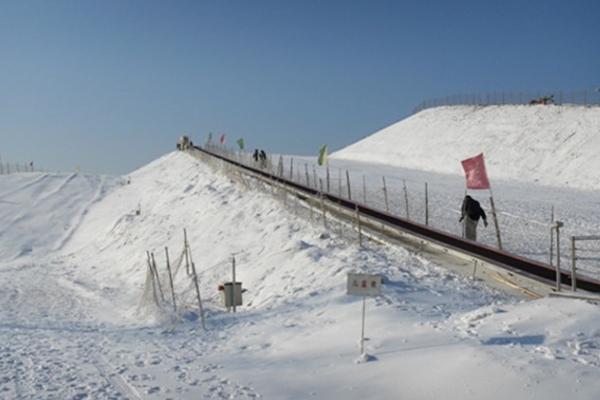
(543, 100)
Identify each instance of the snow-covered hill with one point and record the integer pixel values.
(40, 211)
(71, 326)
(550, 145)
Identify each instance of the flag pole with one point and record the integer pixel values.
(476, 175)
(498, 237)
(464, 229)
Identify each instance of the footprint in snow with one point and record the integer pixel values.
(154, 389)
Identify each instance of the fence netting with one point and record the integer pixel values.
(525, 229)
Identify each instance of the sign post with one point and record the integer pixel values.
(362, 331)
(233, 283)
(363, 285)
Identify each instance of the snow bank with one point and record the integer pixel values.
(551, 145)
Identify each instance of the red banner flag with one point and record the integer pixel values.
(475, 173)
(222, 140)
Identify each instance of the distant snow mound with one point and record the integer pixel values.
(550, 145)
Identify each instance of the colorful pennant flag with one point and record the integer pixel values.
(240, 143)
(322, 155)
(475, 172)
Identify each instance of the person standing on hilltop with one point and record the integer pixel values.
(471, 209)
(263, 159)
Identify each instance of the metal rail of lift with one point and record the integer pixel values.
(533, 270)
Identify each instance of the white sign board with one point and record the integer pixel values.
(364, 284)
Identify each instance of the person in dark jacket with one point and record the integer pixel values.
(263, 159)
(255, 155)
(471, 209)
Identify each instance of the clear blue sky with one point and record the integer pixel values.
(110, 85)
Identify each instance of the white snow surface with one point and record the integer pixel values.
(74, 323)
(546, 144)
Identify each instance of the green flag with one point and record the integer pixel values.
(240, 143)
(322, 155)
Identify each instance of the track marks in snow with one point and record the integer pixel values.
(25, 186)
(45, 365)
(61, 351)
(113, 364)
(79, 216)
(157, 365)
(56, 191)
(42, 215)
(108, 372)
(546, 333)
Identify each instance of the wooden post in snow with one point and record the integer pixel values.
(463, 225)
(323, 203)
(306, 173)
(155, 270)
(557, 225)
(315, 177)
(495, 220)
(188, 271)
(189, 249)
(359, 228)
(362, 330)
(573, 266)
(340, 224)
(551, 236)
(154, 291)
(295, 200)
(327, 171)
(280, 175)
(170, 279)
(406, 198)
(385, 196)
(188, 258)
(291, 169)
(364, 189)
(200, 308)
(426, 205)
(280, 167)
(339, 182)
(348, 183)
(233, 283)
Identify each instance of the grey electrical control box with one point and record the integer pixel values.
(228, 295)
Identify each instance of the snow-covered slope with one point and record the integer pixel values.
(551, 145)
(70, 325)
(40, 211)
